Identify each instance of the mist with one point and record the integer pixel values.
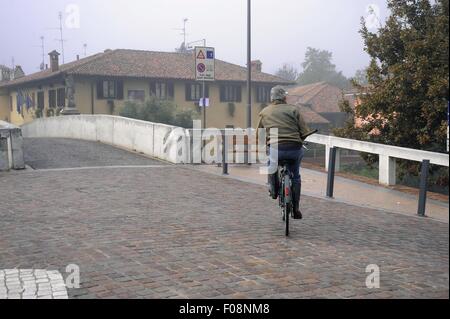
(282, 30)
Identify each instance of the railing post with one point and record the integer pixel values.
(387, 170)
(331, 171)
(224, 153)
(423, 187)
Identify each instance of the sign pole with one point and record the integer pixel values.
(249, 79)
(204, 97)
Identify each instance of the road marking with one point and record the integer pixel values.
(100, 167)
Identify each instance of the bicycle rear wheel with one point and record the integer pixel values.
(286, 219)
(288, 209)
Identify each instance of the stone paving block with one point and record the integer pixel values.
(141, 241)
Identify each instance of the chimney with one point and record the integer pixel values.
(257, 66)
(54, 60)
(18, 72)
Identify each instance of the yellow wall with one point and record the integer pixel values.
(4, 107)
(217, 114)
(28, 115)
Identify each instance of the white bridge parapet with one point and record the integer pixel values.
(173, 144)
(152, 139)
(387, 153)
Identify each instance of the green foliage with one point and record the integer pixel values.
(408, 79)
(361, 77)
(288, 72)
(318, 67)
(38, 113)
(158, 111)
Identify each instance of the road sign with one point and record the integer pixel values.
(204, 64)
(204, 102)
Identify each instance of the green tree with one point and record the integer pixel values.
(287, 72)
(408, 79)
(361, 77)
(408, 76)
(318, 67)
(158, 111)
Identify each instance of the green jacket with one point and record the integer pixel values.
(287, 119)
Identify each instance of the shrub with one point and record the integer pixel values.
(158, 111)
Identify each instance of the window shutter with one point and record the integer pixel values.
(100, 90)
(238, 93)
(119, 94)
(170, 90)
(188, 92)
(152, 89)
(222, 93)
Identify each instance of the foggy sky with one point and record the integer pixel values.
(282, 29)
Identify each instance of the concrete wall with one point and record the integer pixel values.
(157, 140)
(11, 147)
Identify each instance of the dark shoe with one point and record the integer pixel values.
(272, 183)
(296, 199)
(298, 214)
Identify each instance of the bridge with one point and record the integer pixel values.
(138, 226)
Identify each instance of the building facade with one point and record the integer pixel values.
(102, 83)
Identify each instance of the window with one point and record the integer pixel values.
(230, 93)
(110, 89)
(194, 91)
(136, 95)
(52, 99)
(61, 97)
(263, 94)
(162, 90)
(40, 100)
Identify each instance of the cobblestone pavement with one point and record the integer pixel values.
(174, 232)
(32, 284)
(65, 153)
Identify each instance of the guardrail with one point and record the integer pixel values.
(387, 154)
(387, 164)
(11, 143)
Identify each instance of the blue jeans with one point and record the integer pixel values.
(294, 153)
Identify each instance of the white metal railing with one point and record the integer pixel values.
(387, 154)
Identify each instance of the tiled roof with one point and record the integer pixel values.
(320, 97)
(312, 117)
(148, 64)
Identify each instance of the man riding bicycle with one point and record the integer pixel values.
(288, 142)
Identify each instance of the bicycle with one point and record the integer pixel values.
(284, 180)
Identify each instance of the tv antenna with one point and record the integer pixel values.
(183, 33)
(42, 66)
(61, 39)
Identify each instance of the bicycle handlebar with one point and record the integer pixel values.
(304, 137)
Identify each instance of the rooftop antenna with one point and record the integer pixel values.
(43, 53)
(61, 33)
(183, 33)
(42, 66)
(61, 39)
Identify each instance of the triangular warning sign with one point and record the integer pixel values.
(201, 55)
